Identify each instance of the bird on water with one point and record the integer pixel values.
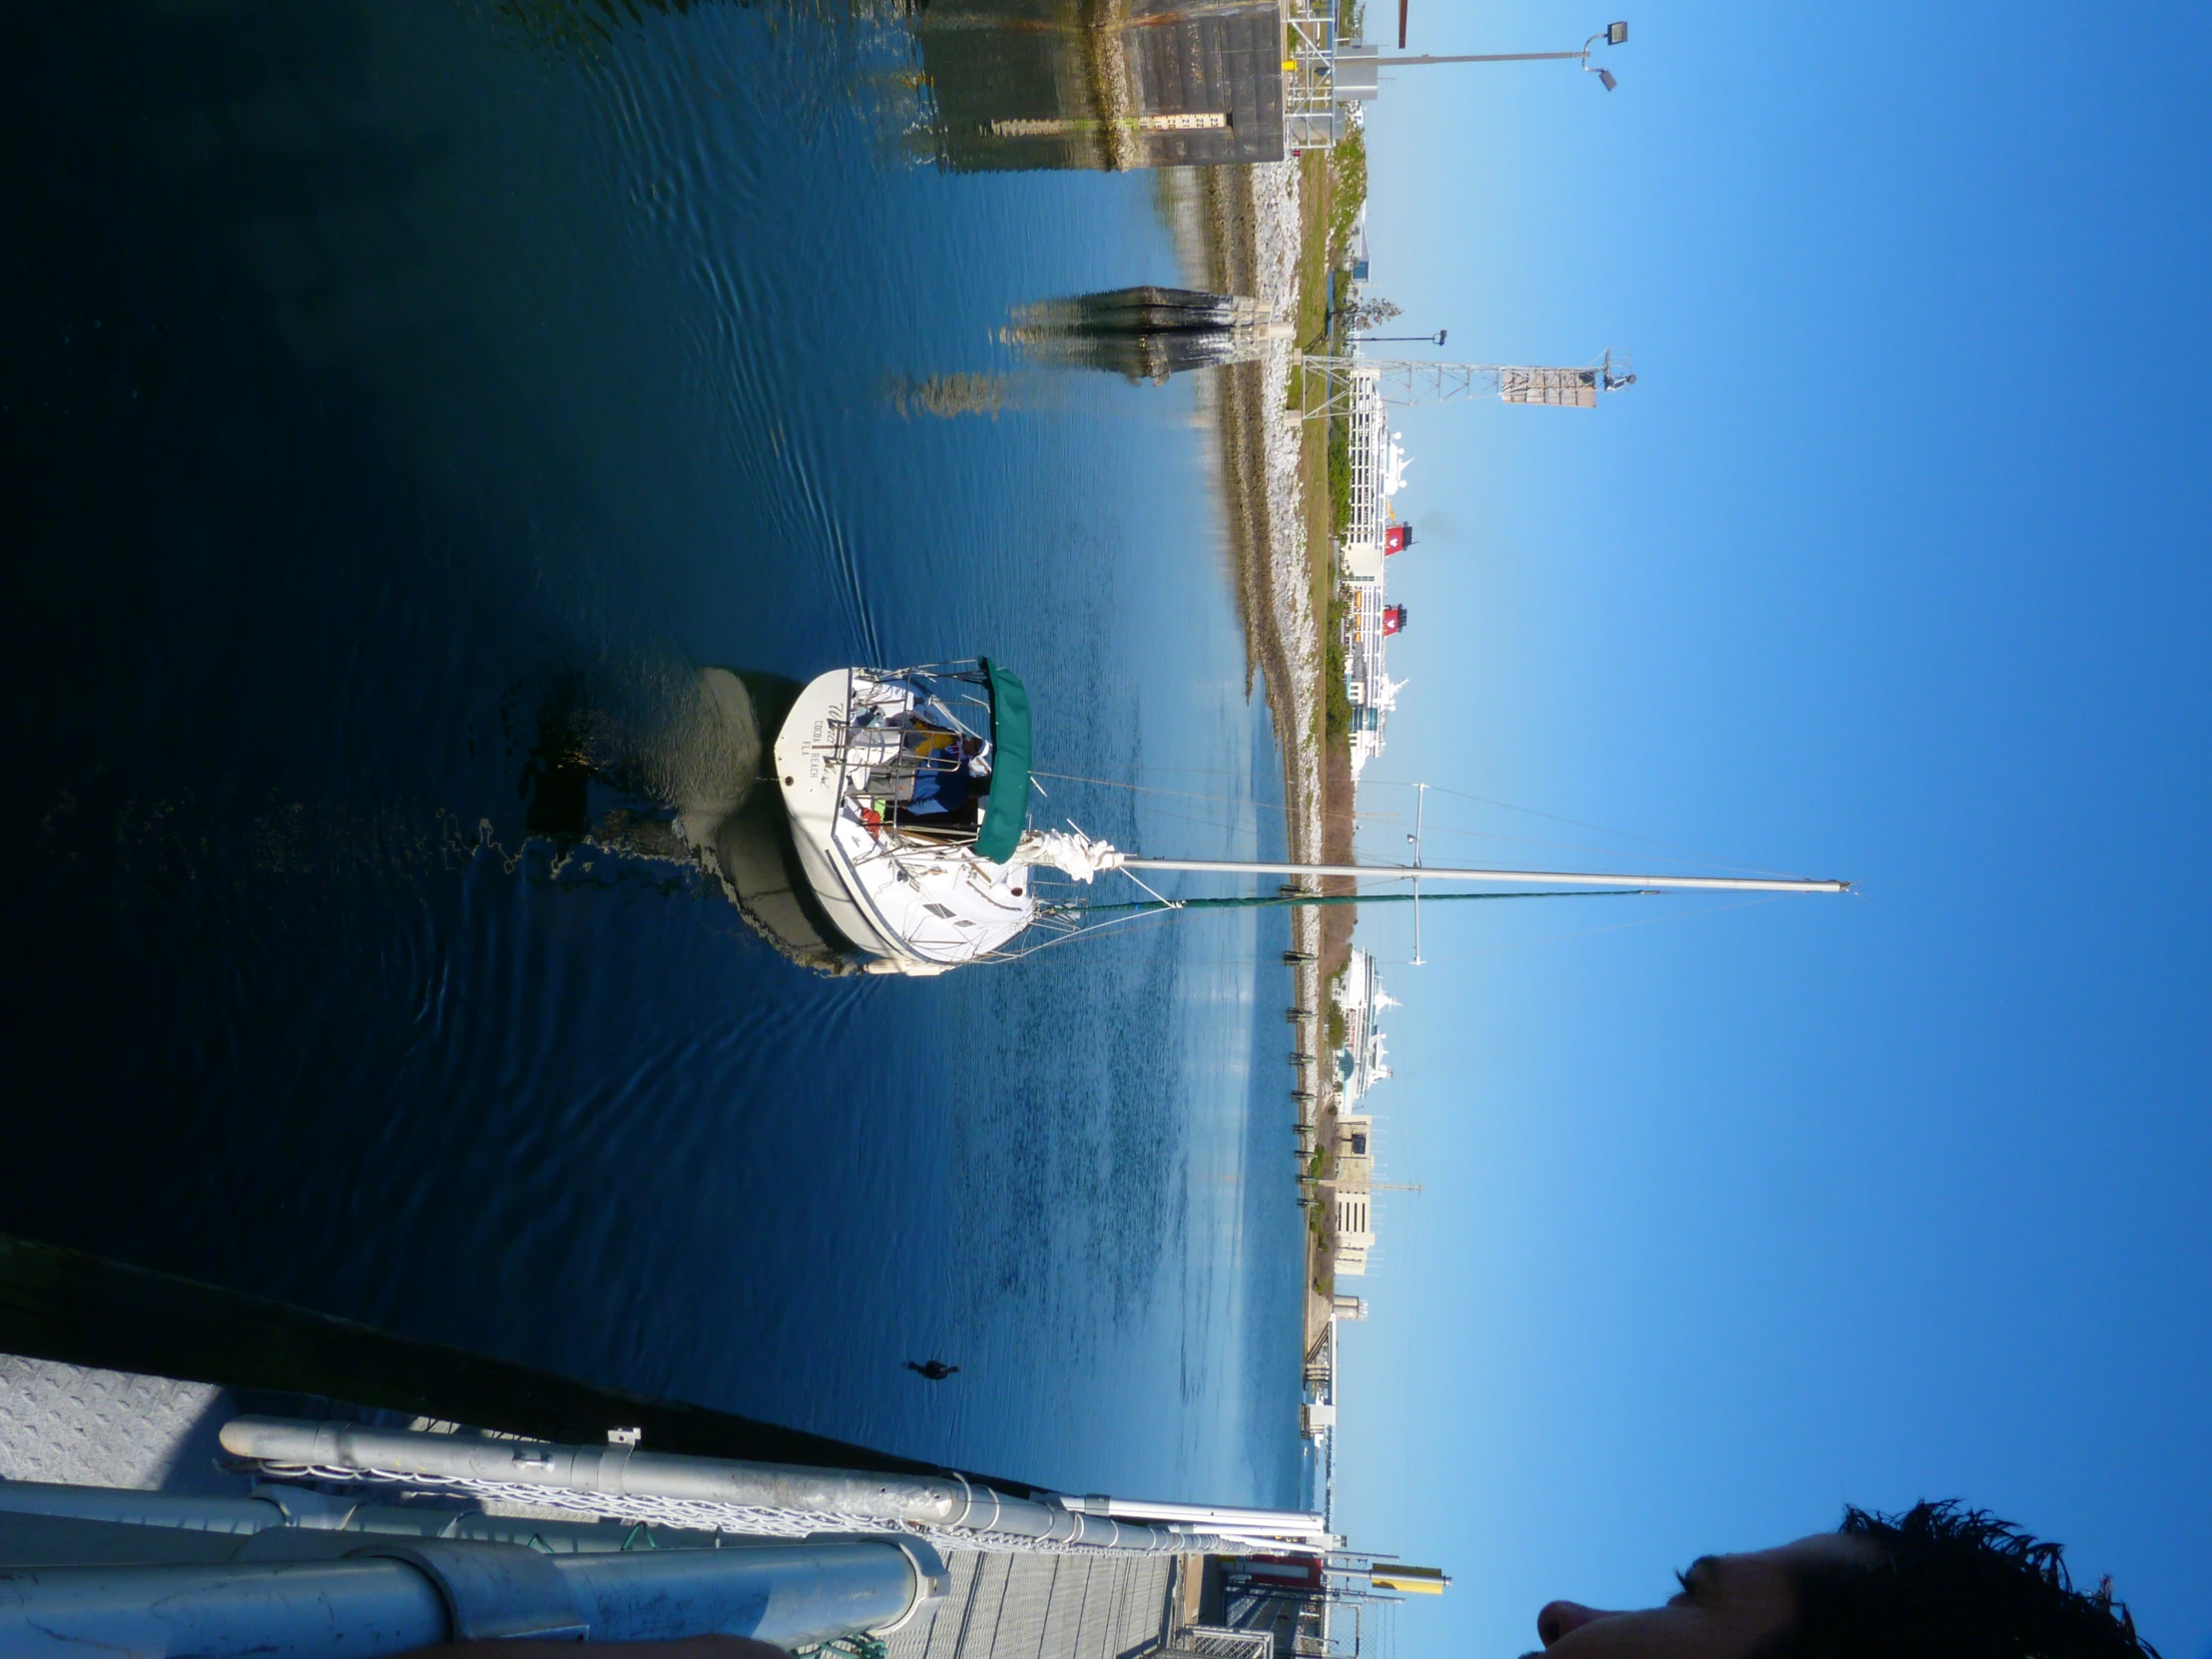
(936, 1369)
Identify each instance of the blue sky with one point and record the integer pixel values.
(1893, 566)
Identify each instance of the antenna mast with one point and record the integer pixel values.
(1116, 860)
(1420, 801)
(1330, 385)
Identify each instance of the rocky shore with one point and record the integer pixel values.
(1240, 229)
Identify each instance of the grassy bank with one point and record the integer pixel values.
(1333, 189)
(1335, 699)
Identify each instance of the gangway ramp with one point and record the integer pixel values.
(1027, 1606)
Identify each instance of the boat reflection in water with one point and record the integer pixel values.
(1147, 333)
(686, 786)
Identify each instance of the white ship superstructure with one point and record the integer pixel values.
(1364, 1060)
(1372, 534)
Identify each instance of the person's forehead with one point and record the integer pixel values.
(1818, 1549)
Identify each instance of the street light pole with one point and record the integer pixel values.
(1485, 57)
(1613, 34)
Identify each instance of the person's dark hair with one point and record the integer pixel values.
(1949, 1582)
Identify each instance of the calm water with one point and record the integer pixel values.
(373, 369)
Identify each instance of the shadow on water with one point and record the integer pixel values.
(688, 788)
(204, 212)
(589, 27)
(84, 1310)
(225, 310)
(333, 453)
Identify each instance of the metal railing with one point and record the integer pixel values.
(717, 1494)
(1212, 1641)
(1312, 115)
(1366, 438)
(908, 731)
(140, 1575)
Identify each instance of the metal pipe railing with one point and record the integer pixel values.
(278, 1505)
(389, 1597)
(794, 1595)
(120, 1506)
(949, 1502)
(365, 1607)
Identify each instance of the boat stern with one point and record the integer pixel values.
(807, 773)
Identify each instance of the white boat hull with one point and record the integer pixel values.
(910, 909)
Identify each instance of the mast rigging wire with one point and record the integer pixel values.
(1591, 933)
(1582, 823)
(1434, 788)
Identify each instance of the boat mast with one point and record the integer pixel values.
(1420, 801)
(1434, 873)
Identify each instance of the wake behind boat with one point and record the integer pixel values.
(908, 792)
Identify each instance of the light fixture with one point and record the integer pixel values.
(1605, 79)
(1616, 34)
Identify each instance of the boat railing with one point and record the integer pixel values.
(906, 734)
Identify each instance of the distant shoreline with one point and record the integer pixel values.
(1253, 230)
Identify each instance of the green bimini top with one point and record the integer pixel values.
(1006, 807)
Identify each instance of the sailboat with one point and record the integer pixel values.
(908, 792)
